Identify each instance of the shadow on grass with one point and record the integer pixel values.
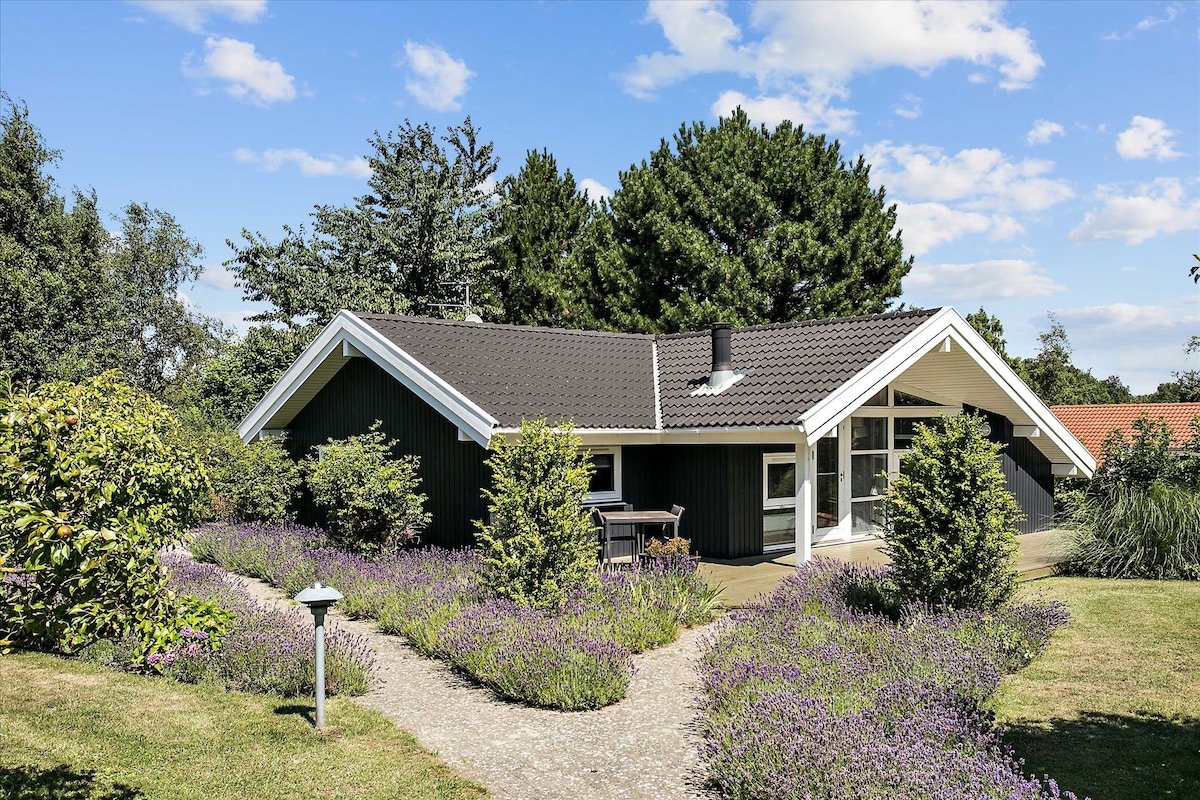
(60, 783)
(1114, 756)
(306, 711)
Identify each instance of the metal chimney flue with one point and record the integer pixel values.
(722, 356)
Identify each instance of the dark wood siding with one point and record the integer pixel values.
(1027, 473)
(452, 472)
(719, 486)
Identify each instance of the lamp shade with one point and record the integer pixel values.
(318, 595)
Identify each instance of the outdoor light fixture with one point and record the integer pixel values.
(986, 428)
(319, 598)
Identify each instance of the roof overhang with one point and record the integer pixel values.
(346, 337)
(947, 333)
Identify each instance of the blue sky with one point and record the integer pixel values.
(1044, 155)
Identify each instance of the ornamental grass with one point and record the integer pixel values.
(572, 658)
(809, 695)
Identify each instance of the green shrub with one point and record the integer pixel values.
(539, 543)
(950, 523)
(93, 484)
(370, 499)
(258, 482)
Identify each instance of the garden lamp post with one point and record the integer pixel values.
(319, 598)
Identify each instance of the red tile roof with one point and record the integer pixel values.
(1091, 424)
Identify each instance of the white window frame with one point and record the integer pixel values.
(771, 503)
(276, 433)
(615, 496)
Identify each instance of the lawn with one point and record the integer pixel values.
(1111, 709)
(72, 731)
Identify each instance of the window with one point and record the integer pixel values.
(605, 485)
(779, 501)
(906, 428)
(905, 399)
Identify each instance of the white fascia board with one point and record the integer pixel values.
(929, 336)
(348, 330)
(748, 434)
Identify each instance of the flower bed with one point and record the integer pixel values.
(575, 658)
(811, 695)
(265, 650)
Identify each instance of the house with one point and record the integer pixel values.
(1092, 424)
(716, 421)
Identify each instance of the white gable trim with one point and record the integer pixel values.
(346, 333)
(945, 325)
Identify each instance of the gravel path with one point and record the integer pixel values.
(642, 747)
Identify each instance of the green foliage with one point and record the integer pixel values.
(371, 500)
(258, 482)
(93, 483)
(746, 225)
(227, 387)
(539, 543)
(992, 331)
(427, 220)
(78, 300)
(1057, 381)
(950, 523)
(541, 230)
(1140, 515)
(193, 615)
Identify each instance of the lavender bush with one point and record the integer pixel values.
(810, 695)
(265, 650)
(576, 657)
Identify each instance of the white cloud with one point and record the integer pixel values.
(247, 75)
(810, 110)
(194, 14)
(216, 276)
(438, 80)
(310, 166)
(927, 225)
(804, 54)
(1128, 316)
(594, 189)
(1145, 24)
(1158, 208)
(909, 107)
(980, 178)
(1129, 269)
(1147, 137)
(986, 280)
(1043, 131)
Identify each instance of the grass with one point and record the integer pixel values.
(73, 731)
(1111, 708)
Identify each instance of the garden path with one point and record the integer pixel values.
(643, 747)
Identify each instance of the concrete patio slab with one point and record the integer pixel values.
(745, 578)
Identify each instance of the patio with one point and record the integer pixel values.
(744, 578)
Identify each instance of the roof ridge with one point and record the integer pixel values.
(460, 323)
(917, 312)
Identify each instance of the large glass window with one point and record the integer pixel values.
(605, 485)
(868, 433)
(827, 482)
(781, 481)
(906, 428)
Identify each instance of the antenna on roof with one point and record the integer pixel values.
(464, 307)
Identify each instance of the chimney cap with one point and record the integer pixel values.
(721, 326)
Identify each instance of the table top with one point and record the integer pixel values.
(639, 516)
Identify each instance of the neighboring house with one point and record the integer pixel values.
(715, 421)
(1092, 424)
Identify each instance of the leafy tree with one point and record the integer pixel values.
(256, 482)
(747, 225)
(79, 300)
(992, 331)
(539, 543)
(424, 228)
(227, 387)
(950, 522)
(1195, 270)
(371, 500)
(1057, 381)
(541, 231)
(1186, 386)
(93, 483)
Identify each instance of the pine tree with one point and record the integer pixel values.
(746, 225)
(540, 231)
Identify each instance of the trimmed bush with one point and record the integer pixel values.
(950, 522)
(370, 499)
(94, 483)
(256, 482)
(540, 543)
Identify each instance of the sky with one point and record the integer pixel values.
(1043, 156)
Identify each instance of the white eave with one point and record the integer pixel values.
(346, 337)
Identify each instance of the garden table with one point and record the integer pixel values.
(638, 520)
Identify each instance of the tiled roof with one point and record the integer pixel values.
(597, 380)
(606, 380)
(789, 367)
(1091, 424)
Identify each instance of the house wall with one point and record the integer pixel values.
(1027, 472)
(452, 472)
